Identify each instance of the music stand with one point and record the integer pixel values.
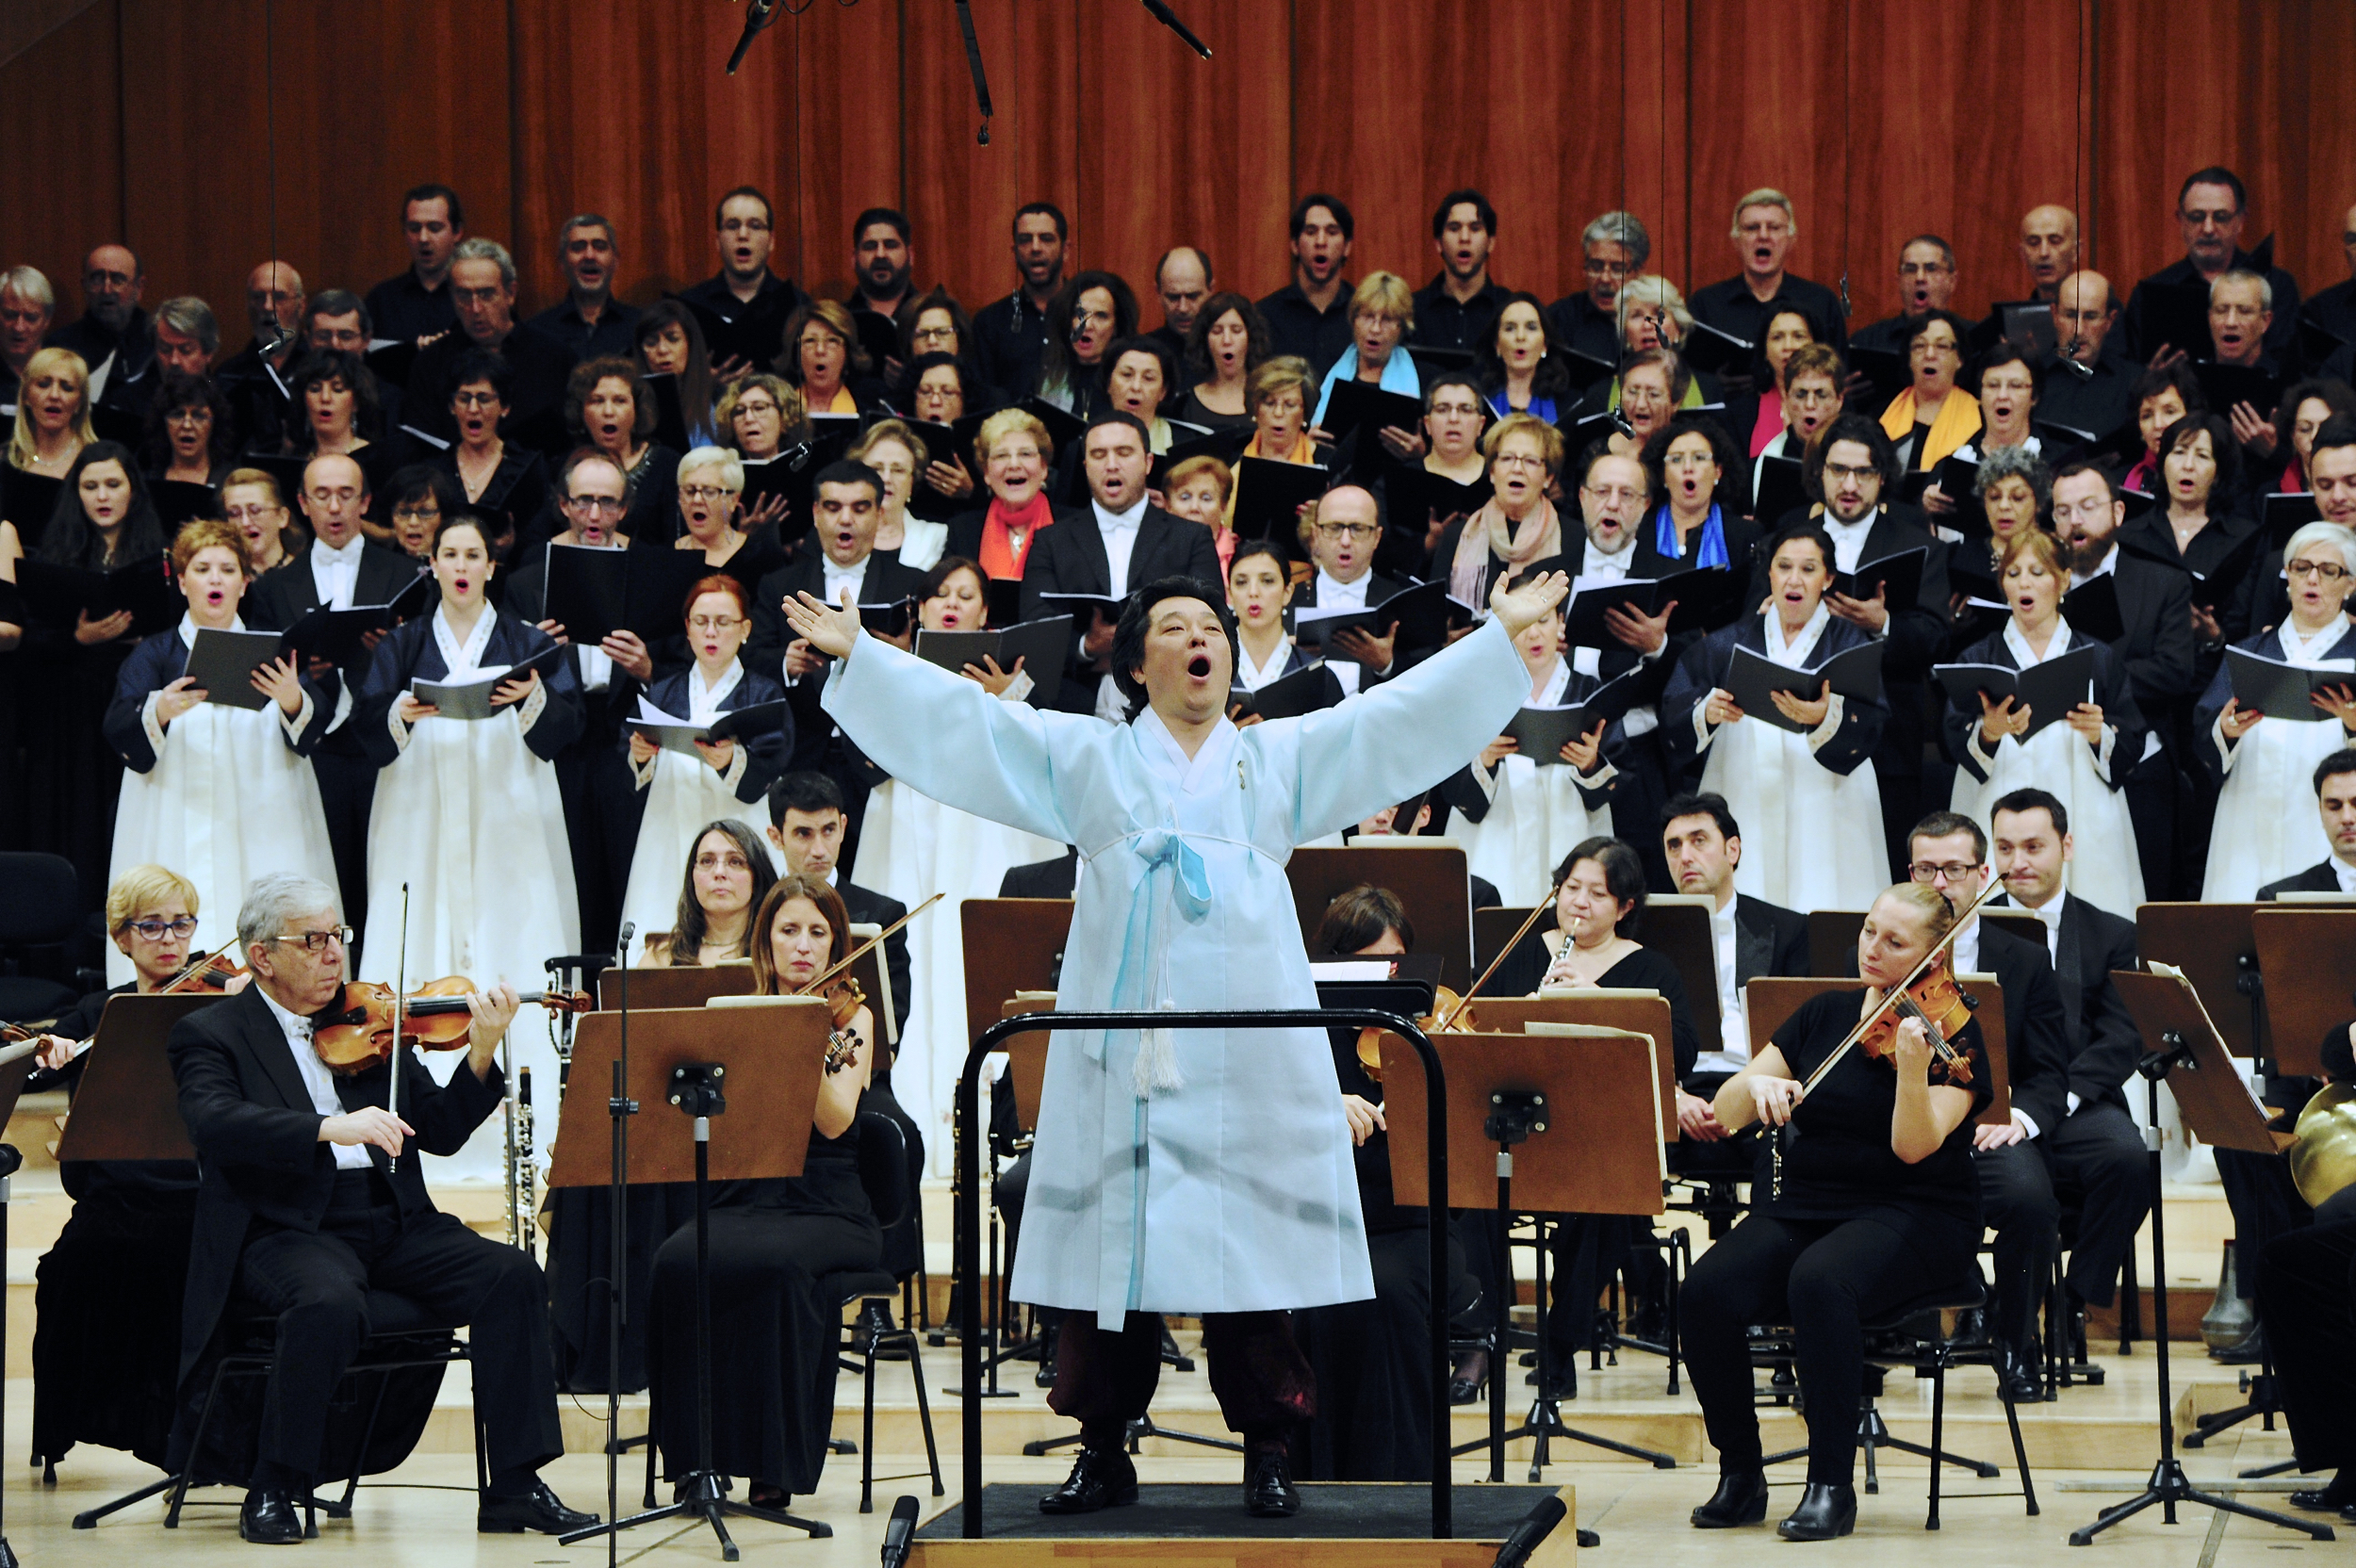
(1676, 926)
(1505, 1091)
(2309, 954)
(2214, 945)
(1494, 926)
(769, 1055)
(2184, 1049)
(1832, 939)
(1428, 875)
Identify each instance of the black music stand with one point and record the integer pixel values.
(1428, 875)
(2185, 1051)
(683, 1056)
(2214, 945)
(1505, 1091)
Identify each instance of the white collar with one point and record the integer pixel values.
(703, 702)
(1840, 529)
(1333, 589)
(1161, 752)
(2345, 872)
(349, 555)
(292, 1024)
(1793, 655)
(2310, 651)
(1133, 517)
(2018, 642)
(1549, 692)
(188, 628)
(468, 655)
(1623, 557)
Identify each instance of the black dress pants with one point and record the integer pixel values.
(2307, 1299)
(1105, 1378)
(602, 808)
(347, 782)
(1825, 1278)
(2017, 1200)
(2098, 1159)
(318, 1284)
(2265, 1205)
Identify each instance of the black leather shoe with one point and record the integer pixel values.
(1100, 1478)
(270, 1517)
(538, 1510)
(875, 1323)
(1740, 1499)
(1824, 1512)
(1268, 1491)
(2334, 1496)
(2020, 1380)
(1466, 1391)
(1562, 1379)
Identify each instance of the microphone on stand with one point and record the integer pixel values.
(898, 1533)
(1530, 1533)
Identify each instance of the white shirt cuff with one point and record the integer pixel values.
(740, 758)
(2074, 1101)
(2103, 749)
(392, 721)
(1703, 728)
(294, 724)
(1831, 726)
(527, 711)
(1018, 688)
(643, 773)
(151, 724)
(1977, 744)
(2226, 749)
(2028, 1122)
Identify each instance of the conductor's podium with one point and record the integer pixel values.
(1202, 1525)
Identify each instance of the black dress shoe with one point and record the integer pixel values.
(1100, 1478)
(1562, 1379)
(1740, 1499)
(1464, 1391)
(874, 1325)
(1268, 1491)
(271, 1518)
(2334, 1496)
(2020, 1380)
(1824, 1512)
(538, 1510)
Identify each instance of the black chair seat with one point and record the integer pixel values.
(26, 998)
(858, 1284)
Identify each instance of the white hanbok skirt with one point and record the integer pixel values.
(2266, 825)
(471, 820)
(912, 847)
(686, 793)
(2106, 870)
(1537, 817)
(1811, 838)
(226, 802)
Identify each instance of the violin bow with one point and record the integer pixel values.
(1890, 997)
(869, 946)
(400, 1022)
(1461, 1002)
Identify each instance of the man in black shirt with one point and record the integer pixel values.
(2103, 399)
(112, 323)
(2212, 206)
(1182, 279)
(884, 262)
(1310, 315)
(1456, 309)
(1765, 230)
(1011, 333)
(591, 323)
(2049, 248)
(482, 289)
(1926, 282)
(415, 305)
(274, 308)
(745, 293)
(1587, 324)
(28, 306)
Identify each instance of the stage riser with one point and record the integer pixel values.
(1208, 1554)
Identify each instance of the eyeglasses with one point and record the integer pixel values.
(598, 503)
(750, 405)
(1517, 460)
(1348, 531)
(417, 515)
(190, 416)
(2093, 506)
(1688, 460)
(722, 862)
(316, 941)
(713, 623)
(2323, 571)
(701, 492)
(1951, 871)
(1811, 395)
(934, 334)
(156, 930)
(1083, 318)
(1618, 495)
(1595, 269)
(474, 400)
(1837, 471)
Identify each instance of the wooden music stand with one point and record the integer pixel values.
(2308, 956)
(127, 1106)
(1639, 1013)
(695, 985)
(1026, 1056)
(1011, 944)
(772, 1051)
(1771, 1000)
(2212, 944)
(2184, 1049)
(1832, 939)
(1600, 1087)
(1428, 875)
(1678, 926)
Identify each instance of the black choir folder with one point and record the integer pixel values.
(339, 636)
(470, 698)
(1701, 595)
(1423, 613)
(1300, 694)
(2049, 690)
(63, 593)
(1037, 644)
(1270, 495)
(222, 664)
(593, 592)
(1753, 677)
(673, 733)
(1541, 733)
(2280, 690)
(1899, 575)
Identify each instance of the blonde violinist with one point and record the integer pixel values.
(1873, 1203)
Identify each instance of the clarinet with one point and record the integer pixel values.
(526, 1205)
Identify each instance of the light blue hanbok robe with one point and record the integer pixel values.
(1233, 1191)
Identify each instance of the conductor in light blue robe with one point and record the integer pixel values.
(1189, 1171)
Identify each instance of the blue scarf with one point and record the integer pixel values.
(1712, 549)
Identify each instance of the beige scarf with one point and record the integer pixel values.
(1487, 533)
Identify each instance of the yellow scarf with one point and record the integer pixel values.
(1958, 421)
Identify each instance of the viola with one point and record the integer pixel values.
(1940, 1006)
(357, 1032)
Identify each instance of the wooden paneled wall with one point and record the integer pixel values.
(205, 132)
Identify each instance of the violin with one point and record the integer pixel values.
(205, 973)
(844, 995)
(357, 1032)
(1447, 1009)
(1929, 995)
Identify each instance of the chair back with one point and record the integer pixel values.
(883, 1168)
(40, 904)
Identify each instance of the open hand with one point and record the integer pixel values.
(827, 630)
(1519, 607)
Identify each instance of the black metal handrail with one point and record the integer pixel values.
(969, 1213)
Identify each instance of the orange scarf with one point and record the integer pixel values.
(1958, 421)
(1002, 556)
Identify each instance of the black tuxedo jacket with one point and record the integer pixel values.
(887, 582)
(287, 592)
(257, 1144)
(2104, 1044)
(868, 908)
(2317, 878)
(1054, 878)
(2156, 605)
(1069, 557)
(1769, 940)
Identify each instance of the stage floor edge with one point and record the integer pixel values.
(1367, 1525)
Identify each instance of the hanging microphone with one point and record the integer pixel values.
(1169, 19)
(796, 457)
(1530, 1533)
(2069, 360)
(758, 14)
(898, 1533)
